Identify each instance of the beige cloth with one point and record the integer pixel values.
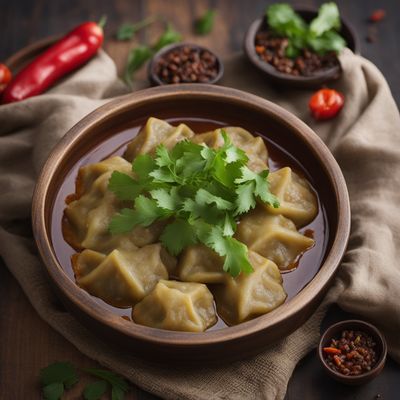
(365, 139)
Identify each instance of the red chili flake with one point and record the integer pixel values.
(377, 15)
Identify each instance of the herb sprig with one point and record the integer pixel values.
(204, 25)
(199, 191)
(320, 35)
(128, 30)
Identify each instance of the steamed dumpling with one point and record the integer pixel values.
(154, 133)
(250, 295)
(177, 306)
(273, 236)
(253, 146)
(121, 278)
(198, 263)
(297, 201)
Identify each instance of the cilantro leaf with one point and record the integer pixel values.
(168, 37)
(178, 235)
(328, 18)
(235, 252)
(115, 380)
(117, 393)
(124, 186)
(53, 391)
(205, 24)
(127, 31)
(283, 20)
(329, 41)
(142, 165)
(94, 390)
(58, 372)
(245, 200)
(163, 158)
(229, 225)
(204, 197)
(136, 58)
(169, 200)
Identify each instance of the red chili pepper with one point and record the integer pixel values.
(377, 15)
(332, 350)
(66, 55)
(5, 77)
(326, 103)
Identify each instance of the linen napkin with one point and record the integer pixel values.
(364, 138)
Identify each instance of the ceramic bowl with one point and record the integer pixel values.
(334, 331)
(155, 79)
(281, 78)
(194, 102)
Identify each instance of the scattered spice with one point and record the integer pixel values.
(273, 50)
(352, 354)
(377, 15)
(187, 64)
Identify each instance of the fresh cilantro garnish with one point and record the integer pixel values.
(321, 35)
(204, 25)
(119, 386)
(199, 191)
(55, 378)
(94, 390)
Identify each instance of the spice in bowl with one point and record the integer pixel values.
(186, 63)
(354, 353)
(293, 46)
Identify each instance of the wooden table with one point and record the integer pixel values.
(27, 343)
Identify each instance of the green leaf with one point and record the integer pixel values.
(115, 380)
(205, 24)
(124, 186)
(163, 158)
(127, 31)
(329, 41)
(168, 37)
(204, 197)
(229, 225)
(117, 393)
(167, 199)
(58, 372)
(53, 391)
(235, 252)
(245, 200)
(136, 58)
(328, 18)
(163, 176)
(94, 390)
(178, 235)
(142, 165)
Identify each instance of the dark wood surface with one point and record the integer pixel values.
(28, 343)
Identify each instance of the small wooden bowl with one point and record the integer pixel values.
(289, 80)
(192, 101)
(353, 324)
(155, 79)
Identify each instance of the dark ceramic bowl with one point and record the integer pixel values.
(289, 80)
(155, 79)
(381, 348)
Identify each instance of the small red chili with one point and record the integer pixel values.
(377, 15)
(5, 77)
(326, 103)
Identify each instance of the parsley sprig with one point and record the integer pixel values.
(199, 191)
(321, 35)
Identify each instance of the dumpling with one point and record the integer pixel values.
(250, 295)
(154, 133)
(273, 236)
(121, 278)
(87, 219)
(177, 306)
(253, 146)
(198, 263)
(297, 201)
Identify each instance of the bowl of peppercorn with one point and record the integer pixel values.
(185, 63)
(352, 352)
(299, 47)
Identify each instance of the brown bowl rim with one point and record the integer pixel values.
(154, 78)
(319, 78)
(292, 308)
(368, 328)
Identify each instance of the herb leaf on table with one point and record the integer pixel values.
(94, 390)
(127, 31)
(204, 25)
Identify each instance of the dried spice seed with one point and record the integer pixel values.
(187, 65)
(272, 50)
(352, 354)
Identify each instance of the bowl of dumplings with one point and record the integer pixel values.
(192, 223)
